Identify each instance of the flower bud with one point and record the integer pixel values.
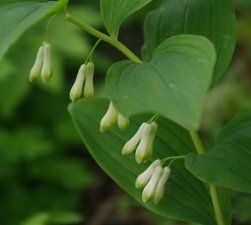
(131, 145)
(144, 150)
(89, 87)
(36, 69)
(109, 119)
(123, 121)
(77, 88)
(144, 178)
(149, 189)
(159, 192)
(46, 72)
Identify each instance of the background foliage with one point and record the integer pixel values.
(46, 175)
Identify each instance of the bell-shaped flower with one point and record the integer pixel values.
(145, 147)
(160, 189)
(46, 71)
(77, 88)
(145, 177)
(109, 119)
(150, 188)
(132, 144)
(142, 141)
(36, 69)
(123, 121)
(89, 87)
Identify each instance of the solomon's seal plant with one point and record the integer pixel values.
(188, 45)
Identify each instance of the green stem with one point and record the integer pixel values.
(114, 42)
(213, 190)
(90, 56)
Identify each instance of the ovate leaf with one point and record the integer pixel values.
(213, 19)
(17, 17)
(228, 163)
(186, 198)
(114, 12)
(172, 84)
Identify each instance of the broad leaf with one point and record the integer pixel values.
(114, 12)
(172, 84)
(213, 19)
(186, 198)
(17, 17)
(228, 164)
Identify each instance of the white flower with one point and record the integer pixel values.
(36, 69)
(160, 189)
(143, 141)
(144, 178)
(144, 149)
(131, 145)
(109, 119)
(89, 87)
(123, 121)
(112, 117)
(154, 180)
(150, 188)
(46, 71)
(77, 88)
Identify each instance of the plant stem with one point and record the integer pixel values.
(90, 56)
(213, 189)
(114, 42)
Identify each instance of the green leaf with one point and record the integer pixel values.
(213, 19)
(13, 22)
(65, 218)
(228, 163)
(114, 12)
(37, 219)
(172, 84)
(186, 198)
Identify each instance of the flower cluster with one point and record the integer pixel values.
(153, 181)
(83, 83)
(113, 117)
(42, 65)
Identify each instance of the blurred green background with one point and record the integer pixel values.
(46, 175)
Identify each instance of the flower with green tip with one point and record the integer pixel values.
(112, 117)
(160, 189)
(46, 71)
(36, 69)
(89, 74)
(150, 188)
(77, 88)
(145, 177)
(123, 121)
(142, 141)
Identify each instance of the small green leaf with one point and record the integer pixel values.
(16, 17)
(186, 198)
(114, 12)
(172, 84)
(213, 19)
(228, 163)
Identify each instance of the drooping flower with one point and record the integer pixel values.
(89, 87)
(123, 121)
(46, 71)
(150, 188)
(77, 88)
(109, 119)
(160, 189)
(144, 178)
(113, 117)
(153, 181)
(36, 69)
(142, 141)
